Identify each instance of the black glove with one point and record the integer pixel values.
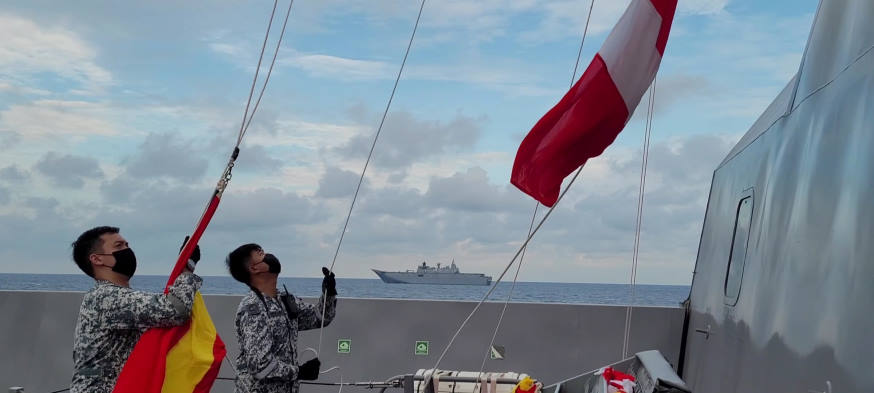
(195, 255)
(309, 371)
(329, 284)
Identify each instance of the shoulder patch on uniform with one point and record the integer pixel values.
(250, 305)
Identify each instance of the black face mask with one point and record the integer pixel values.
(125, 262)
(273, 264)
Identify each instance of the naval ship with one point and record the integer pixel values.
(440, 275)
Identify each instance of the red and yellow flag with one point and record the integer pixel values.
(181, 359)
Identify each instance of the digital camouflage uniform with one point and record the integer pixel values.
(267, 335)
(112, 319)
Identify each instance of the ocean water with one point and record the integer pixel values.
(527, 292)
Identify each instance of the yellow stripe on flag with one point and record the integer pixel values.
(190, 359)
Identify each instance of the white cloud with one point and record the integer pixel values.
(475, 22)
(314, 64)
(566, 18)
(498, 74)
(167, 156)
(69, 170)
(702, 7)
(306, 134)
(463, 22)
(226, 49)
(303, 179)
(18, 89)
(28, 49)
(467, 216)
(505, 75)
(13, 174)
(406, 139)
(513, 81)
(338, 183)
(460, 212)
(419, 174)
(674, 88)
(335, 67)
(755, 57)
(4, 196)
(559, 19)
(44, 118)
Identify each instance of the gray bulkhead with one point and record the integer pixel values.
(783, 290)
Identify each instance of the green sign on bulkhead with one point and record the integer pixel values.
(344, 345)
(422, 347)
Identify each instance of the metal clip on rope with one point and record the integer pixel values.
(226, 176)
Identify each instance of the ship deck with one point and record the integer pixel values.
(548, 341)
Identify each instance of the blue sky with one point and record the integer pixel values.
(124, 114)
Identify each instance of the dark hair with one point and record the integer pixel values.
(238, 262)
(87, 244)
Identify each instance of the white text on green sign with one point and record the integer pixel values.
(344, 346)
(422, 347)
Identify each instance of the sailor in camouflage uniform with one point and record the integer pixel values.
(113, 316)
(268, 323)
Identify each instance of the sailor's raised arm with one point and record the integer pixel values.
(131, 309)
(310, 316)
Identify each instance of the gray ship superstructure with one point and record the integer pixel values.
(439, 275)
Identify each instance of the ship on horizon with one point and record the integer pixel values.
(439, 275)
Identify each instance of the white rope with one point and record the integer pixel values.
(367, 162)
(226, 175)
(255, 79)
(269, 70)
(640, 195)
(533, 216)
(247, 115)
(582, 41)
(506, 303)
(512, 261)
(244, 126)
(316, 354)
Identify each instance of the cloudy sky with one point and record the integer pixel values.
(124, 114)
